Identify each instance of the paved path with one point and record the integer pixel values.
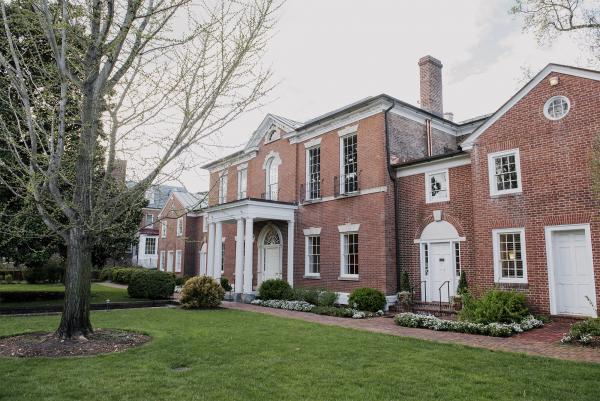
(112, 285)
(541, 342)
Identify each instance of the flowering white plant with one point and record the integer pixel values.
(282, 304)
(492, 329)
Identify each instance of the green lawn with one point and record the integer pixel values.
(233, 355)
(100, 293)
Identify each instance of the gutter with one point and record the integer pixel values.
(392, 174)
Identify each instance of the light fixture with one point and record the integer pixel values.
(553, 81)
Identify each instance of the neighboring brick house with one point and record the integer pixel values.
(181, 234)
(353, 197)
(145, 253)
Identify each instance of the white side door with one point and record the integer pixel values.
(573, 273)
(170, 261)
(440, 270)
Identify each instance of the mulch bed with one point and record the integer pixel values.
(44, 344)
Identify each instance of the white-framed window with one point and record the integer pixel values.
(272, 135)
(204, 223)
(178, 261)
(349, 254)
(504, 172)
(313, 256)
(179, 226)
(162, 260)
(170, 261)
(349, 164)
(242, 183)
(150, 246)
(313, 172)
(223, 256)
(557, 107)
(272, 179)
(149, 219)
(457, 264)
(149, 195)
(510, 265)
(425, 254)
(163, 229)
(437, 188)
(223, 187)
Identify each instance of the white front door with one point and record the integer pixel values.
(573, 273)
(441, 270)
(272, 262)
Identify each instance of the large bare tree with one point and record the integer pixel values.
(159, 77)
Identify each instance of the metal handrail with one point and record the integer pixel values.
(447, 282)
(425, 290)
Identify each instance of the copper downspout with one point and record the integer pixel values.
(429, 138)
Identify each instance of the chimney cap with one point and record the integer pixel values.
(430, 59)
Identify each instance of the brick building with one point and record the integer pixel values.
(353, 197)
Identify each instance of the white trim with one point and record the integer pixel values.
(179, 227)
(428, 197)
(447, 163)
(550, 68)
(342, 149)
(496, 251)
(276, 135)
(307, 170)
(162, 262)
(343, 268)
(178, 256)
(312, 231)
(348, 130)
(312, 143)
(223, 184)
(261, 252)
(271, 155)
(225, 164)
(307, 273)
(548, 231)
(492, 174)
(163, 229)
(242, 166)
(348, 228)
(562, 97)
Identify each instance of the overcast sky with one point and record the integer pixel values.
(329, 53)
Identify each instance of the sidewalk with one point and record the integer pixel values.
(540, 342)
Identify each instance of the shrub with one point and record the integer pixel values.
(181, 280)
(122, 275)
(367, 299)
(275, 289)
(308, 294)
(150, 284)
(404, 282)
(225, 284)
(327, 298)
(333, 311)
(586, 332)
(201, 292)
(8, 278)
(495, 306)
(462, 287)
(55, 268)
(36, 274)
(106, 274)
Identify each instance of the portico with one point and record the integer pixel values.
(244, 214)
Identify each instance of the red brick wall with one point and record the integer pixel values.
(555, 175)
(415, 214)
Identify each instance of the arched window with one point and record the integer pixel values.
(272, 179)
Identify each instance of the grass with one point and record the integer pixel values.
(100, 293)
(234, 355)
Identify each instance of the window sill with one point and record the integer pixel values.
(503, 194)
(312, 276)
(348, 278)
(523, 285)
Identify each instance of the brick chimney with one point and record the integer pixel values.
(430, 70)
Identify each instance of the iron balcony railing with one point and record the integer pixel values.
(346, 184)
(272, 192)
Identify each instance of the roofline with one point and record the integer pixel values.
(222, 159)
(523, 91)
(428, 159)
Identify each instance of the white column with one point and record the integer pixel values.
(218, 255)
(290, 253)
(239, 257)
(248, 254)
(211, 250)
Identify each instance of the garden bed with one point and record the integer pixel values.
(44, 344)
(303, 306)
(491, 329)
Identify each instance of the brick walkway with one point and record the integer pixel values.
(541, 342)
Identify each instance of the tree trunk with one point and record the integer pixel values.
(75, 321)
